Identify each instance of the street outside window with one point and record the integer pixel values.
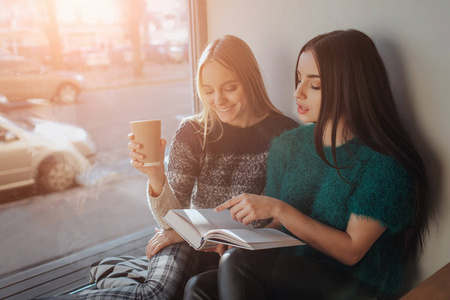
(73, 74)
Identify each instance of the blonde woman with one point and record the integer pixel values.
(214, 155)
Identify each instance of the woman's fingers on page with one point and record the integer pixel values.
(221, 207)
(244, 220)
(130, 136)
(250, 208)
(247, 220)
(244, 215)
(238, 212)
(230, 203)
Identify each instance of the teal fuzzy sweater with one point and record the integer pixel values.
(380, 189)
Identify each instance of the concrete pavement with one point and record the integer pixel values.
(110, 204)
(117, 77)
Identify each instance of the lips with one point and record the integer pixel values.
(224, 109)
(302, 109)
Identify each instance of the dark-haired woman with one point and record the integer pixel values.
(350, 185)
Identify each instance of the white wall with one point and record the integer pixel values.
(413, 39)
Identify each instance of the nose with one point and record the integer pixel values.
(299, 92)
(219, 99)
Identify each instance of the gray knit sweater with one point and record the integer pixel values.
(228, 166)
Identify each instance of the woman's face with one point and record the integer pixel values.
(308, 92)
(224, 93)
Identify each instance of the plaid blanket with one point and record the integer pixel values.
(161, 277)
(118, 271)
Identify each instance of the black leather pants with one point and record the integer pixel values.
(267, 274)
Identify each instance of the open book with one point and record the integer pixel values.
(204, 228)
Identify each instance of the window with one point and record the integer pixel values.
(91, 68)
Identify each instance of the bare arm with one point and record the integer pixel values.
(347, 246)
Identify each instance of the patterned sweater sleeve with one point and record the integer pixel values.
(182, 171)
(161, 205)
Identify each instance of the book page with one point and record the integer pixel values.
(184, 228)
(253, 239)
(266, 235)
(207, 219)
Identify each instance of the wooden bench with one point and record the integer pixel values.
(70, 273)
(436, 287)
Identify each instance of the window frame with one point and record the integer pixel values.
(198, 35)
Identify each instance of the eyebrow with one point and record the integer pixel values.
(227, 82)
(309, 76)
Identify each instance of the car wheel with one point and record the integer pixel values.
(67, 93)
(56, 174)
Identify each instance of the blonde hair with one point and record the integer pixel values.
(234, 54)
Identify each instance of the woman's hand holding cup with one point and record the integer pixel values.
(153, 167)
(137, 157)
(155, 173)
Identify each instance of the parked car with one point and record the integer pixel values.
(3, 100)
(21, 79)
(87, 59)
(155, 53)
(6, 105)
(178, 53)
(121, 56)
(45, 153)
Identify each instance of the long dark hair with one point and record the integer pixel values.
(355, 84)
